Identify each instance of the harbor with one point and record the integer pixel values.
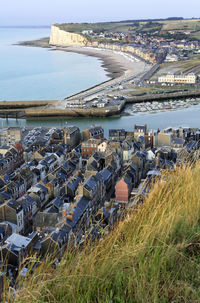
(156, 106)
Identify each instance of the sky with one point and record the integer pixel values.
(46, 12)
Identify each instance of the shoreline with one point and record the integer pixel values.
(115, 64)
(112, 67)
(119, 67)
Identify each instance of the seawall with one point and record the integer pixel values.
(74, 112)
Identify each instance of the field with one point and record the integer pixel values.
(150, 257)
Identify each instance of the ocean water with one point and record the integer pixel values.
(32, 73)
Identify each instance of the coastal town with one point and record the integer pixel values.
(142, 59)
(62, 188)
(99, 151)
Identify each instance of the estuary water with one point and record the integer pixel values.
(30, 73)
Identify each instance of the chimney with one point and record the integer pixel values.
(64, 213)
(107, 205)
(70, 218)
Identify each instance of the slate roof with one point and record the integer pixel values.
(15, 205)
(18, 241)
(60, 236)
(57, 202)
(106, 174)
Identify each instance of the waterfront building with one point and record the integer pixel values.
(140, 130)
(182, 79)
(72, 135)
(10, 136)
(165, 138)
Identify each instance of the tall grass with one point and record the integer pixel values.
(152, 256)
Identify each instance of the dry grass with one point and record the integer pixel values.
(153, 256)
(181, 24)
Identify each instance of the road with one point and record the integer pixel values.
(106, 88)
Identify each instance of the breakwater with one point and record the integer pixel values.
(49, 108)
(164, 96)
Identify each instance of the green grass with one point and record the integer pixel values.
(151, 257)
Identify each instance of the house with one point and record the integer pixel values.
(16, 154)
(108, 215)
(10, 136)
(117, 134)
(94, 190)
(17, 247)
(78, 220)
(12, 188)
(88, 148)
(56, 136)
(27, 176)
(102, 146)
(165, 138)
(123, 190)
(12, 211)
(20, 185)
(139, 158)
(114, 146)
(72, 185)
(40, 193)
(50, 162)
(40, 171)
(69, 167)
(72, 136)
(96, 132)
(178, 143)
(140, 130)
(5, 231)
(94, 164)
(32, 202)
(45, 219)
(20, 154)
(54, 244)
(128, 149)
(58, 203)
(107, 175)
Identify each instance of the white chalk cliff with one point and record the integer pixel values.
(61, 37)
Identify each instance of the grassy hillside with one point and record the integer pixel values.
(153, 256)
(134, 27)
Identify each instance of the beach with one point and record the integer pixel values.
(116, 64)
(119, 66)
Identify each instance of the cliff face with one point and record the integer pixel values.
(61, 37)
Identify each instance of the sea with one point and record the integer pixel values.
(33, 73)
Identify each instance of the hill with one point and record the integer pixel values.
(132, 27)
(152, 256)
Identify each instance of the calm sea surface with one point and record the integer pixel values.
(32, 73)
(29, 73)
